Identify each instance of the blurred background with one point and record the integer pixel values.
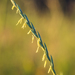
(55, 21)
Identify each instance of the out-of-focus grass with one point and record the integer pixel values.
(17, 53)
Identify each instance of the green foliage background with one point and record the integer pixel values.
(17, 53)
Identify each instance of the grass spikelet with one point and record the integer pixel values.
(45, 63)
(37, 49)
(20, 21)
(49, 69)
(29, 32)
(32, 38)
(43, 58)
(24, 24)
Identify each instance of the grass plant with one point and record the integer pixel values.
(40, 44)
